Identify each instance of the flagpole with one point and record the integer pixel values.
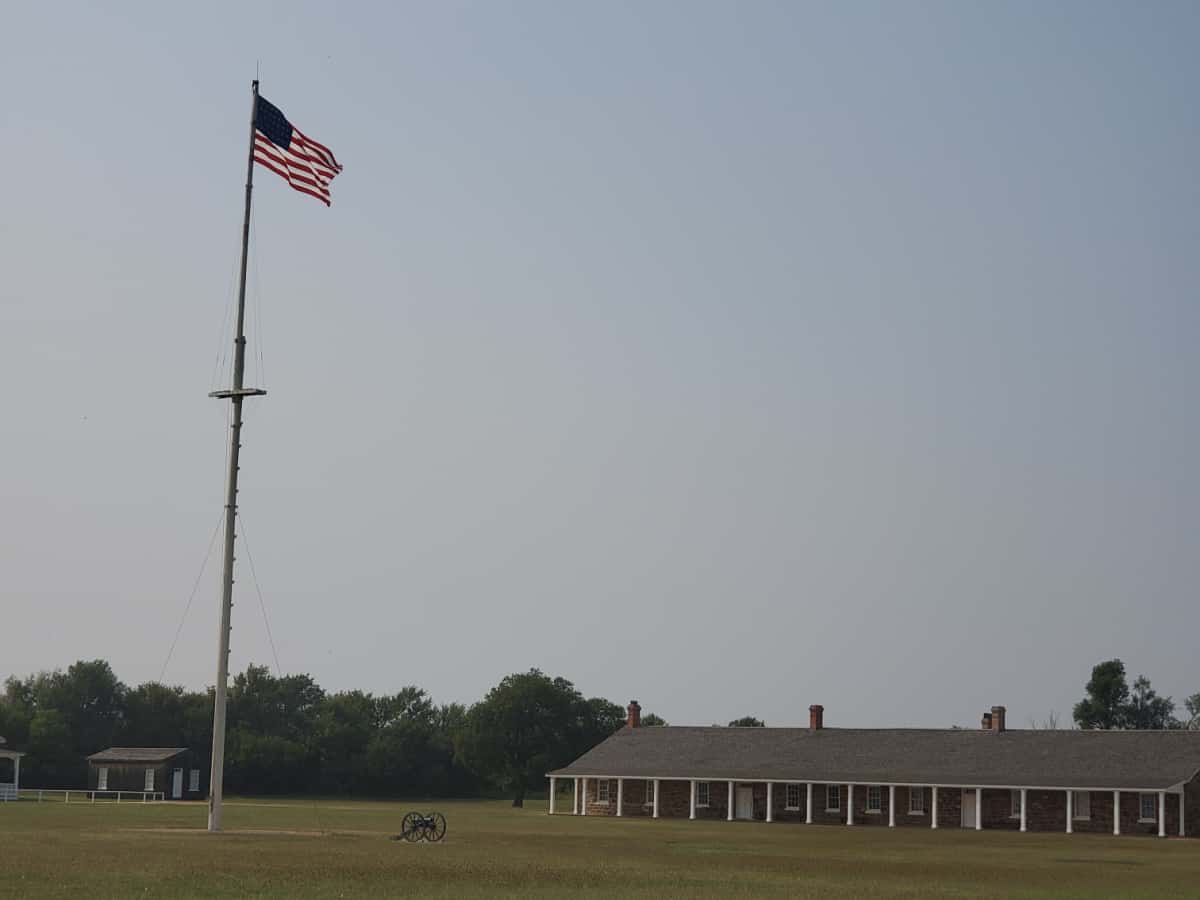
(236, 394)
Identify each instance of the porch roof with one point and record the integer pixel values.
(136, 754)
(1150, 760)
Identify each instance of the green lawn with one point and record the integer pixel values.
(337, 848)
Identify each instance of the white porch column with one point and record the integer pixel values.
(933, 816)
(729, 807)
(692, 800)
(1024, 807)
(620, 795)
(1182, 830)
(553, 785)
(583, 799)
(575, 799)
(770, 797)
(979, 809)
(891, 806)
(654, 814)
(1116, 812)
(849, 804)
(1162, 813)
(808, 806)
(17, 775)
(1070, 812)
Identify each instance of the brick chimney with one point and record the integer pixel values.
(985, 724)
(635, 714)
(816, 717)
(998, 718)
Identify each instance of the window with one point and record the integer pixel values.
(602, 790)
(1081, 803)
(1147, 808)
(102, 779)
(874, 799)
(833, 798)
(649, 793)
(194, 780)
(792, 798)
(1014, 804)
(702, 793)
(149, 780)
(916, 801)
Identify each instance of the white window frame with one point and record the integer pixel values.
(789, 804)
(703, 794)
(916, 793)
(1014, 804)
(649, 801)
(1081, 805)
(833, 798)
(1153, 800)
(102, 778)
(194, 781)
(603, 790)
(874, 799)
(148, 785)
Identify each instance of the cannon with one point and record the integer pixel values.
(420, 827)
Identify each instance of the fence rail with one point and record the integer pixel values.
(42, 795)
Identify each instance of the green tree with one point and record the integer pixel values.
(653, 720)
(747, 722)
(529, 724)
(271, 732)
(16, 711)
(1107, 699)
(154, 716)
(1192, 705)
(345, 724)
(1146, 710)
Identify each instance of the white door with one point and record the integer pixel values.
(743, 805)
(177, 784)
(102, 779)
(968, 809)
(149, 785)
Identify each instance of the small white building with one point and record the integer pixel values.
(10, 784)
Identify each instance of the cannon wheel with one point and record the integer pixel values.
(438, 830)
(411, 827)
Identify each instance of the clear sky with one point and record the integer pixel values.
(729, 356)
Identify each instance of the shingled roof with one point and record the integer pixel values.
(1146, 760)
(136, 754)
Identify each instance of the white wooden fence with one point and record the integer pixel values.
(85, 796)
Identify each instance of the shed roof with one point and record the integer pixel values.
(1080, 759)
(136, 754)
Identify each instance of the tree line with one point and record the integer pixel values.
(286, 735)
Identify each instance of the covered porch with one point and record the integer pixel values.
(10, 773)
(1124, 811)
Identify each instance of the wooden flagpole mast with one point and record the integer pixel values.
(237, 394)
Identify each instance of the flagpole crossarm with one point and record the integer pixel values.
(238, 392)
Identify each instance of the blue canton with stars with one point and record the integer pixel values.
(273, 124)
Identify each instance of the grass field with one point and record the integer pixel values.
(333, 848)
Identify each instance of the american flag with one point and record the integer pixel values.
(306, 165)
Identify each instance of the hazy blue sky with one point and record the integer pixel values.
(730, 356)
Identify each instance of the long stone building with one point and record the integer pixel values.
(1118, 782)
